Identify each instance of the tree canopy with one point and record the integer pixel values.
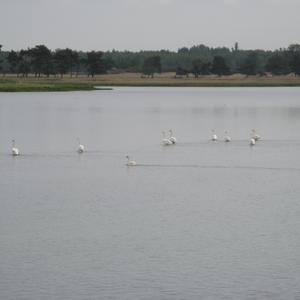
(152, 65)
(197, 60)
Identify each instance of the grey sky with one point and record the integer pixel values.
(148, 24)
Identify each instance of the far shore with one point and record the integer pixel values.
(12, 83)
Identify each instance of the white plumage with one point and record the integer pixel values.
(254, 135)
(14, 151)
(166, 141)
(130, 162)
(80, 147)
(227, 138)
(171, 137)
(252, 142)
(214, 137)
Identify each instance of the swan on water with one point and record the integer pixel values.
(252, 142)
(214, 137)
(80, 146)
(254, 135)
(227, 138)
(130, 162)
(14, 151)
(171, 137)
(166, 141)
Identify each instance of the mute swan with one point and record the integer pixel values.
(130, 162)
(171, 137)
(14, 151)
(227, 138)
(214, 137)
(80, 146)
(165, 140)
(254, 135)
(252, 142)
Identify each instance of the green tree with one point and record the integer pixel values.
(152, 65)
(75, 62)
(200, 67)
(25, 63)
(236, 46)
(182, 72)
(0, 58)
(219, 66)
(294, 48)
(294, 51)
(95, 63)
(250, 65)
(278, 64)
(41, 60)
(196, 67)
(295, 63)
(13, 59)
(63, 60)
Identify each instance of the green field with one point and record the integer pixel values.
(82, 83)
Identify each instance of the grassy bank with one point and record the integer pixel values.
(82, 83)
(42, 85)
(168, 79)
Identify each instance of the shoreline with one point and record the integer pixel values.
(105, 82)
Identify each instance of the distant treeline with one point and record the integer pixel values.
(197, 60)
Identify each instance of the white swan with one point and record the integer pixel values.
(130, 162)
(252, 142)
(214, 137)
(166, 141)
(14, 151)
(254, 135)
(171, 137)
(80, 147)
(227, 138)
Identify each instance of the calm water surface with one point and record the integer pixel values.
(198, 220)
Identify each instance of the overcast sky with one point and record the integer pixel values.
(148, 24)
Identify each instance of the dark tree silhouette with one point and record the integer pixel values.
(14, 59)
(250, 65)
(0, 58)
(75, 62)
(198, 59)
(294, 50)
(295, 63)
(95, 63)
(219, 66)
(151, 65)
(41, 60)
(25, 63)
(196, 68)
(182, 72)
(278, 64)
(63, 60)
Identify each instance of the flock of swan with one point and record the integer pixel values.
(254, 137)
(171, 140)
(166, 141)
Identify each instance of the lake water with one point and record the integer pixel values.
(198, 220)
